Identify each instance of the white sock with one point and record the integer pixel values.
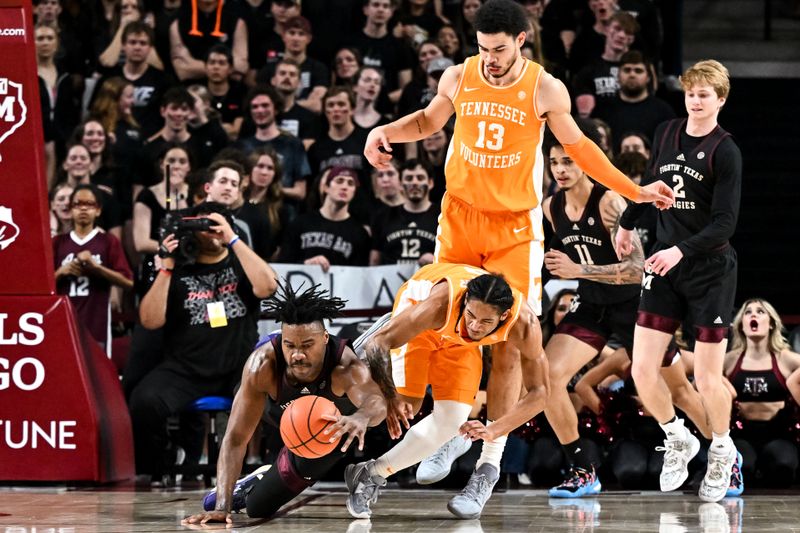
(424, 437)
(492, 452)
(721, 443)
(675, 429)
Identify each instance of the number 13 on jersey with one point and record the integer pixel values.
(495, 131)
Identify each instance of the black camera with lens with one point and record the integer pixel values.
(183, 228)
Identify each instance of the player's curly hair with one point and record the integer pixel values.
(492, 289)
(501, 16)
(289, 306)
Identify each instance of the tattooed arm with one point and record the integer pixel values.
(414, 126)
(628, 271)
(380, 365)
(406, 324)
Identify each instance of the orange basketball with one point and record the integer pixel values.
(302, 426)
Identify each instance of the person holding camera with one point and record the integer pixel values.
(206, 297)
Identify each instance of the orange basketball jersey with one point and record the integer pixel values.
(418, 288)
(494, 161)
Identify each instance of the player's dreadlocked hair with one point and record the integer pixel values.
(288, 306)
(492, 289)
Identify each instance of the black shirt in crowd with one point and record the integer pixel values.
(147, 92)
(349, 152)
(627, 117)
(402, 236)
(231, 104)
(343, 242)
(598, 78)
(387, 53)
(189, 339)
(313, 73)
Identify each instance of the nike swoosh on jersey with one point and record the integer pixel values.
(517, 230)
(470, 89)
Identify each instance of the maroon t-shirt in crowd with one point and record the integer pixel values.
(90, 295)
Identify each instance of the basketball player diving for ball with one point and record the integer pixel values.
(302, 359)
(441, 317)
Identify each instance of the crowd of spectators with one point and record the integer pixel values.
(263, 107)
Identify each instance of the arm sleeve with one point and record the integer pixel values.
(595, 163)
(724, 203)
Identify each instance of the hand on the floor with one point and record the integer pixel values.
(398, 412)
(206, 517)
(475, 430)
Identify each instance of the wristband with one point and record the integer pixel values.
(233, 241)
(167, 271)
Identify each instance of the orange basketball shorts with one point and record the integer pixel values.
(452, 370)
(507, 243)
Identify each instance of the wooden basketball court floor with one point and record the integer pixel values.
(321, 510)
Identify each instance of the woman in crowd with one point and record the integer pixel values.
(60, 210)
(369, 82)
(765, 381)
(449, 41)
(151, 207)
(418, 93)
(417, 21)
(112, 109)
(92, 134)
(264, 191)
(346, 64)
(64, 99)
(466, 32)
(76, 170)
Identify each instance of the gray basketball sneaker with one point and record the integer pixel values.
(469, 504)
(437, 466)
(363, 487)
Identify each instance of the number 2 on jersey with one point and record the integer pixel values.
(495, 130)
(678, 189)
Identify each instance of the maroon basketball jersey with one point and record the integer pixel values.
(90, 294)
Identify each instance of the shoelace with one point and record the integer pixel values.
(672, 450)
(370, 490)
(474, 490)
(438, 458)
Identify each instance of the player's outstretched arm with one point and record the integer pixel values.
(525, 340)
(248, 406)
(401, 328)
(554, 103)
(414, 126)
(354, 377)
